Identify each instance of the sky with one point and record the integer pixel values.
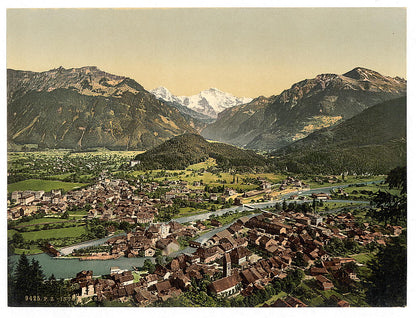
(245, 51)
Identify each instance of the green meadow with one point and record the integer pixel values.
(55, 233)
(45, 185)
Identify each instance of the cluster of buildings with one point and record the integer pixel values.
(243, 258)
(296, 183)
(145, 242)
(165, 282)
(329, 179)
(30, 202)
(113, 199)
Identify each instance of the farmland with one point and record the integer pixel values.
(55, 233)
(45, 185)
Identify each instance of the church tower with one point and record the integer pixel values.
(226, 265)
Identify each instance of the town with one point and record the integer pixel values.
(245, 257)
(248, 256)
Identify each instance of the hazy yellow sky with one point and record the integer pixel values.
(247, 52)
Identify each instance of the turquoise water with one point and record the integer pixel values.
(68, 268)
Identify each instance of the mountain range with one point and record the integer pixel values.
(208, 102)
(85, 108)
(269, 123)
(373, 141)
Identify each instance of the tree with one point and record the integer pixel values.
(335, 247)
(20, 280)
(100, 231)
(17, 239)
(392, 208)
(284, 205)
(299, 261)
(160, 260)
(388, 278)
(36, 278)
(397, 178)
(278, 207)
(314, 205)
(10, 248)
(149, 266)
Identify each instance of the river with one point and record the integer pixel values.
(69, 267)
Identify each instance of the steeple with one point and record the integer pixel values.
(226, 265)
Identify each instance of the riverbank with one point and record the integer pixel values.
(98, 257)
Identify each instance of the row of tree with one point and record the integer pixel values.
(27, 286)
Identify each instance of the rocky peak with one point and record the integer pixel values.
(310, 104)
(162, 92)
(88, 80)
(361, 73)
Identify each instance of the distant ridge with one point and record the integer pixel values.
(373, 141)
(269, 123)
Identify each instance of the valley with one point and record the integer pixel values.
(112, 189)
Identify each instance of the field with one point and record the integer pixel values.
(59, 234)
(328, 205)
(45, 185)
(31, 251)
(189, 211)
(78, 213)
(55, 233)
(41, 220)
(272, 299)
(63, 165)
(347, 180)
(229, 218)
(315, 297)
(126, 154)
(61, 169)
(63, 152)
(351, 190)
(202, 165)
(362, 258)
(137, 275)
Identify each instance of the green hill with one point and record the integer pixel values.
(184, 150)
(373, 141)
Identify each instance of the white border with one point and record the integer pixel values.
(210, 312)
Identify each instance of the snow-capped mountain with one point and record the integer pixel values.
(209, 102)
